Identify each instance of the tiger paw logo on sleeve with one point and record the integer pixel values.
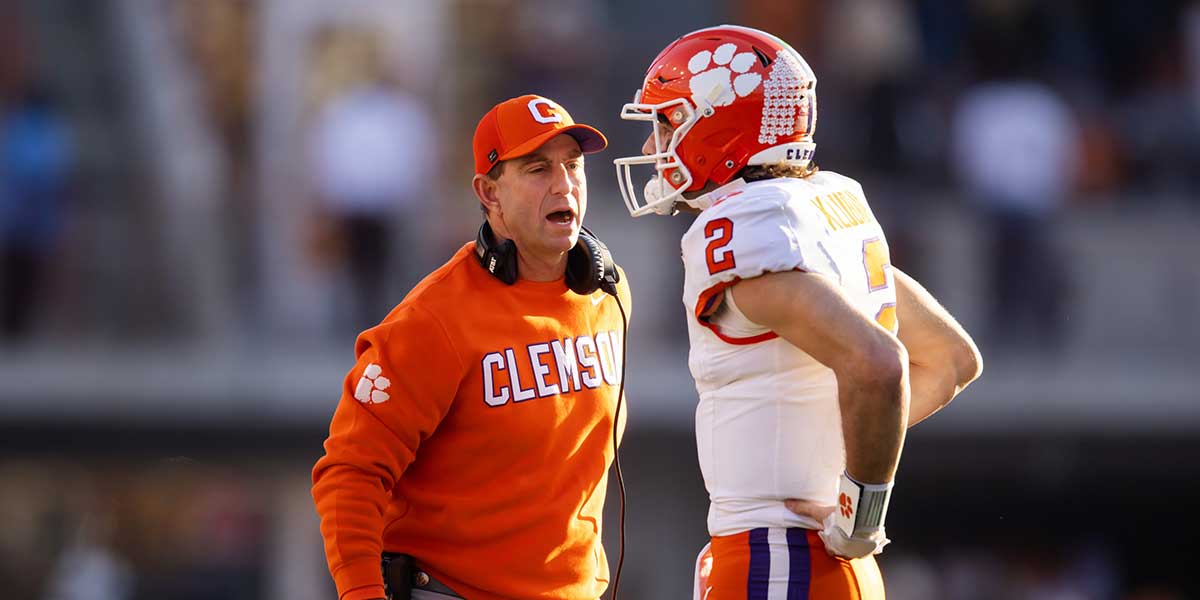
(371, 385)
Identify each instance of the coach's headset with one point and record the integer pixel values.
(590, 267)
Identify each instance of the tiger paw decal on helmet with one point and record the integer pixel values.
(718, 84)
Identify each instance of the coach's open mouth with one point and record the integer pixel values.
(561, 217)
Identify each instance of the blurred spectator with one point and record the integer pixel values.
(88, 569)
(36, 157)
(1014, 145)
(872, 49)
(546, 52)
(219, 38)
(1163, 141)
(373, 149)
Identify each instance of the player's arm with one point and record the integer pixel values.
(942, 357)
(812, 313)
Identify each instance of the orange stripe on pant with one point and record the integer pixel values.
(782, 564)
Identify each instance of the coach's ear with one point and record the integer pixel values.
(485, 189)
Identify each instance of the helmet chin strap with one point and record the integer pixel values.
(656, 195)
(705, 200)
(701, 202)
(697, 204)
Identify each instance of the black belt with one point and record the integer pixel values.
(401, 576)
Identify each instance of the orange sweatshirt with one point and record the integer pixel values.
(475, 433)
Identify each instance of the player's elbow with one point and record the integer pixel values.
(967, 361)
(880, 364)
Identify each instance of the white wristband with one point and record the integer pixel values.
(861, 506)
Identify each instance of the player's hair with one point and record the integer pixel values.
(776, 170)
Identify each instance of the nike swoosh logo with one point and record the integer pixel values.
(596, 300)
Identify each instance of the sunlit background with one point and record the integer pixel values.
(183, 271)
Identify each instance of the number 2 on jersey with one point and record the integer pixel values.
(719, 232)
(876, 261)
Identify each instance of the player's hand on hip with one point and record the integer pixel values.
(864, 541)
(854, 528)
(808, 508)
(837, 543)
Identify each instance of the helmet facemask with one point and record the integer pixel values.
(671, 176)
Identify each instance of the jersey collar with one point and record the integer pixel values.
(718, 195)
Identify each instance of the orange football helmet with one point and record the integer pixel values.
(719, 99)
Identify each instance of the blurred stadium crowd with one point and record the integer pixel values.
(201, 202)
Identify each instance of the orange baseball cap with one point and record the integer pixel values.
(521, 125)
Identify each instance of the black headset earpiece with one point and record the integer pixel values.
(499, 260)
(590, 266)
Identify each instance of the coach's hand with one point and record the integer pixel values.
(864, 542)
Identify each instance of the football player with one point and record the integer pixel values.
(811, 353)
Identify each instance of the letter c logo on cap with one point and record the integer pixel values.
(539, 116)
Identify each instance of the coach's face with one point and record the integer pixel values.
(540, 200)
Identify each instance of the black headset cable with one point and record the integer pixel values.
(616, 454)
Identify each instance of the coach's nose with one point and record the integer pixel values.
(562, 183)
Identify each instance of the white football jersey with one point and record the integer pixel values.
(768, 425)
